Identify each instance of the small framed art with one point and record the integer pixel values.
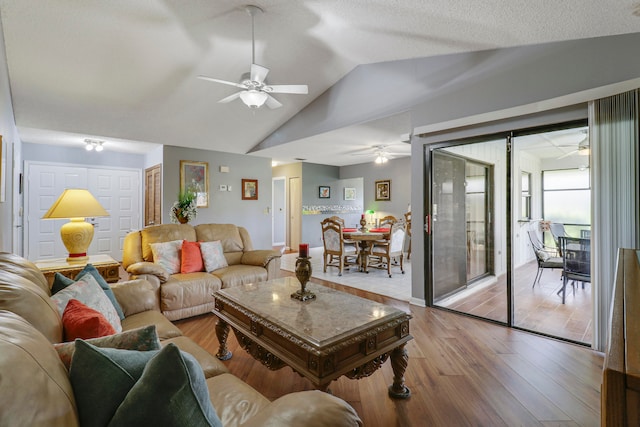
(383, 190)
(324, 192)
(349, 193)
(194, 176)
(249, 189)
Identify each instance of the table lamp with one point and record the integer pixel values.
(76, 204)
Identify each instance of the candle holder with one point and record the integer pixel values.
(363, 224)
(303, 273)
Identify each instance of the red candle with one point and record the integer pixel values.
(303, 250)
(362, 216)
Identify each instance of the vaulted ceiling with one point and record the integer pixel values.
(126, 71)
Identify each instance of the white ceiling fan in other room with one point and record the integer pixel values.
(582, 149)
(381, 153)
(255, 91)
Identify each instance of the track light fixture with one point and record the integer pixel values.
(92, 144)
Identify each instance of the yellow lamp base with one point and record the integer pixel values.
(76, 236)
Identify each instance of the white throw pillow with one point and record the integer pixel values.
(212, 255)
(167, 255)
(88, 291)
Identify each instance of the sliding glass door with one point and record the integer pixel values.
(495, 209)
(463, 188)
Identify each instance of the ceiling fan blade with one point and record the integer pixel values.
(567, 154)
(230, 98)
(299, 89)
(224, 82)
(272, 102)
(258, 73)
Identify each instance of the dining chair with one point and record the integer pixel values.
(557, 230)
(387, 221)
(407, 226)
(382, 252)
(545, 256)
(576, 262)
(337, 252)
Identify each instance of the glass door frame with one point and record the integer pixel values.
(428, 149)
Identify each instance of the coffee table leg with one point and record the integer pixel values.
(399, 362)
(222, 332)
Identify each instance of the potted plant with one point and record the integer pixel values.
(184, 209)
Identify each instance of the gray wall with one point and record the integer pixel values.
(398, 171)
(10, 144)
(225, 207)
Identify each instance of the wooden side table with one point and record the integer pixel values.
(108, 267)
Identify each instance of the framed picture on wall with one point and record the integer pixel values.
(383, 190)
(324, 192)
(194, 176)
(349, 193)
(249, 189)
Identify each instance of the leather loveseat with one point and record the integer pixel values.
(183, 295)
(35, 389)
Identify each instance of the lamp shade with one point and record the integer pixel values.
(76, 204)
(253, 98)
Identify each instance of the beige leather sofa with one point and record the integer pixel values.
(190, 294)
(34, 384)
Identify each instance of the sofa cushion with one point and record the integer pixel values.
(164, 233)
(191, 257)
(23, 267)
(213, 255)
(240, 274)
(88, 292)
(34, 386)
(142, 339)
(60, 282)
(136, 296)
(80, 321)
(171, 392)
(167, 255)
(235, 401)
(211, 365)
(188, 290)
(27, 299)
(228, 234)
(164, 327)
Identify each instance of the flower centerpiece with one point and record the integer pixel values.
(184, 209)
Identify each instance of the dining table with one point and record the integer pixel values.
(364, 239)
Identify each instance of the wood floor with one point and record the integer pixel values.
(536, 308)
(462, 372)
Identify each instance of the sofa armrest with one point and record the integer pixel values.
(136, 296)
(260, 257)
(145, 267)
(267, 258)
(311, 408)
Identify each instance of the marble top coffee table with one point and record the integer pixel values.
(322, 339)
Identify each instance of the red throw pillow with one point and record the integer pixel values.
(191, 257)
(81, 321)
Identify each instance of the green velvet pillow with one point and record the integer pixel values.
(101, 379)
(171, 392)
(60, 282)
(114, 387)
(141, 339)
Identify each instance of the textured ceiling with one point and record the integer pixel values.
(125, 71)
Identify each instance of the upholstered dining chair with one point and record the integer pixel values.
(545, 256)
(383, 252)
(337, 253)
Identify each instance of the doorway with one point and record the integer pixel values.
(279, 214)
(490, 200)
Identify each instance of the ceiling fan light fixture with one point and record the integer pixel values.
(381, 159)
(253, 98)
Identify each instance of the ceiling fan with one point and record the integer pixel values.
(381, 153)
(255, 91)
(582, 149)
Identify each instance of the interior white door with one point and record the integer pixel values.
(118, 190)
(295, 212)
(279, 214)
